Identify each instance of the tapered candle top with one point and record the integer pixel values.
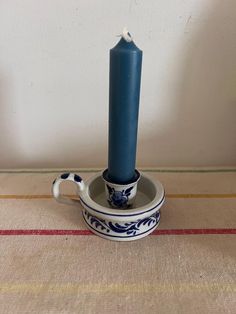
(126, 43)
(125, 77)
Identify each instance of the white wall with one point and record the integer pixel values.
(54, 81)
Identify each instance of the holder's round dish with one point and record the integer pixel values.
(122, 224)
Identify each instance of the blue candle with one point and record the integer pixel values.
(124, 91)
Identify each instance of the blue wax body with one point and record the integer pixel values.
(124, 91)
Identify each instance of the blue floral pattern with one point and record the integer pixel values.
(128, 228)
(119, 198)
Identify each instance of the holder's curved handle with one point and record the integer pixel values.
(67, 177)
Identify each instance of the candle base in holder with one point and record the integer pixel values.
(116, 224)
(120, 195)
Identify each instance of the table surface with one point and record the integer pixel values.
(51, 263)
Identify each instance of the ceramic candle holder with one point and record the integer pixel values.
(115, 223)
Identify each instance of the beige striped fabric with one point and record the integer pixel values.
(51, 263)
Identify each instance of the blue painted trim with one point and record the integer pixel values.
(113, 236)
(117, 215)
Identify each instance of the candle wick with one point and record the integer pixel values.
(126, 35)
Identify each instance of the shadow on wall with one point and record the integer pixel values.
(12, 157)
(204, 126)
(8, 138)
(68, 149)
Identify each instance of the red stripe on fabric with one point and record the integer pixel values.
(193, 231)
(48, 232)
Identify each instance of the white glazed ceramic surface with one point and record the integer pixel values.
(118, 224)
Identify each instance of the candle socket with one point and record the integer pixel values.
(120, 195)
